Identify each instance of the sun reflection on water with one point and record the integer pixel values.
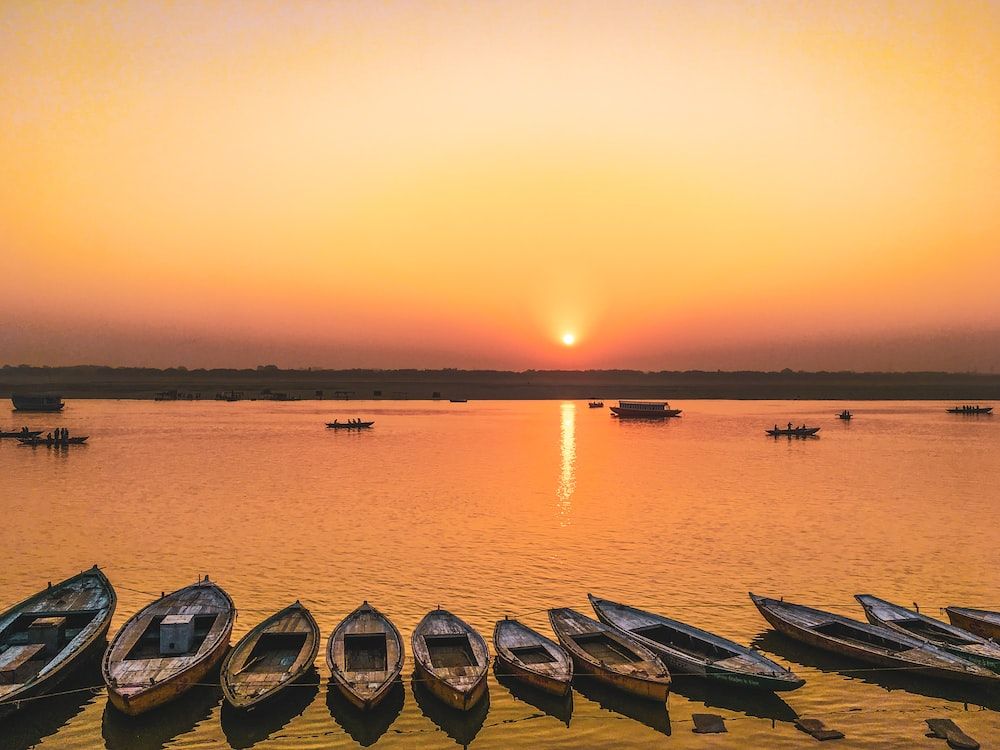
(567, 473)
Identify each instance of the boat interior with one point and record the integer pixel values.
(532, 654)
(846, 632)
(685, 642)
(365, 652)
(606, 649)
(929, 630)
(448, 651)
(34, 639)
(147, 646)
(274, 652)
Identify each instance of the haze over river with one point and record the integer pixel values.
(507, 507)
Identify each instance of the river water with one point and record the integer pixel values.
(498, 507)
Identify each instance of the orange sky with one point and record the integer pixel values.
(458, 184)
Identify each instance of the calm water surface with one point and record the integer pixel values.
(489, 508)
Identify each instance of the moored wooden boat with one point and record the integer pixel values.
(868, 643)
(979, 621)
(610, 656)
(452, 659)
(275, 654)
(949, 637)
(532, 658)
(335, 425)
(688, 650)
(168, 646)
(365, 656)
(43, 638)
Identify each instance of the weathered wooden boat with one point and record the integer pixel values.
(793, 432)
(365, 656)
(349, 425)
(168, 646)
(868, 643)
(36, 402)
(275, 654)
(25, 433)
(452, 658)
(644, 410)
(687, 650)
(54, 442)
(46, 636)
(532, 658)
(979, 621)
(970, 409)
(949, 637)
(610, 656)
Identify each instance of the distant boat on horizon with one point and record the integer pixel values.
(458, 400)
(37, 402)
(644, 410)
(845, 415)
(970, 409)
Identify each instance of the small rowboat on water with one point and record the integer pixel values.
(969, 409)
(335, 425)
(365, 656)
(532, 658)
(610, 656)
(793, 432)
(596, 404)
(845, 415)
(25, 433)
(272, 656)
(690, 651)
(451, 658)
(167, 647)
(45, 637)
(949, 637)
(53, 442)
(979, 621)
(868, 643)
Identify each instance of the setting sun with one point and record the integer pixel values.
(568, 339)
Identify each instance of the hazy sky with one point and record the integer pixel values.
(697, 184)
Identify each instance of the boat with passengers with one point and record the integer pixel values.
(644, 410)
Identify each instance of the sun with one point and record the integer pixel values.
(569, 338)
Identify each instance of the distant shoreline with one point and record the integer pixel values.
(276, 384)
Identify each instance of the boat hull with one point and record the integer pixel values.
(461, 700)
(652, 690)
(639, 414)
(364, 702)
(973, 624)
(134, 704)
(541, 682)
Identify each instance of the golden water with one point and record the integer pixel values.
(493, 508)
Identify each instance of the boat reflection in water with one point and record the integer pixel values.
(557, 706)
(38, 719)
(567, 468)
(651, 713)
(888, 679)
(365, 727)
(153, 730)
(461, 726)
(245, 729)
(759, 704)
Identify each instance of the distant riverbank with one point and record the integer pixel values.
(274, 383)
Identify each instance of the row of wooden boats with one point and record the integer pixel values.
(179, 640)
(898, 638)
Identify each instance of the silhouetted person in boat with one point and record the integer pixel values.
(48, 437)
(776, 427)
(789, 426)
